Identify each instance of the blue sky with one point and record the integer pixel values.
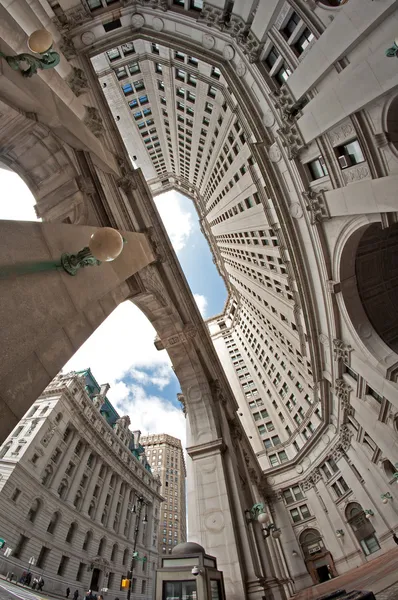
(142, 381)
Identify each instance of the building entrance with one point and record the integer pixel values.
(323, 573)
(94, 585)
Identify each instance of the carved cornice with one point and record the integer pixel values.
(316, 205)
(201, 450)
(342, 351)
(77, 81)
(93, 121)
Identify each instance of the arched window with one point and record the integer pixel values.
(311, 542)
(47, 475)
(63, 489)
(54, 522)
(125, 556)
(114, 553)
(5, 449)
(58, 418)
(71, 533)
(87, 540)
(101, 546)
(34, 510)
(362, 528)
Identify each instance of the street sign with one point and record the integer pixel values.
(2, 542)
(8, 552)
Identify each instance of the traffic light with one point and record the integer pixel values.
(125, 583)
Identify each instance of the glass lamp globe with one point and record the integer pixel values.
(368, 516)
(276, 533)
(106, 244)
(263, 518)
(338, 535)
(40, 41)
(385, 500)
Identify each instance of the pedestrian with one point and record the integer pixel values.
(40, 585)
(395, 537)
(75, 594)
(28, 579)
(67, 592)
(35, 583)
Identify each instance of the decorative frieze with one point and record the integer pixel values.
(67, 47)
(311, 480)
(341, 133)
(342, 390)
(316, 205)
(291, 138)
(342, 351)
(93, 121)
(356, 173)
(179, 338)
(73, 17)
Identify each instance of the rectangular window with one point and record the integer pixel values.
(209, 107)
(134, 68)
(21, 545)
(267, 443)
(283, 74)
(158, 68)
(273, 459)
(63, 565)
(127, 89)
(370, 545)
(154, 48)
(42, 558)
(139, 85)
(304, 41)
(112, 25)
(215, 72)
(317, 168)
(283, 456)
(370, 392)
(291, 25)
(272, 57)
(128, 48)
(349, 154)
(212, 91)
(80, 572)
(113, 54)
(275, 440)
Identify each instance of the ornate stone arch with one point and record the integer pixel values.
(47, 166)
(350, 303)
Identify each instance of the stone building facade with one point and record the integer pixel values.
(70, 473)
(295, 187)
(166, 457)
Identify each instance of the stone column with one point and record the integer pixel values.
(78, 475)
(104, 493)
(114, 502)
(64, 462)
(91, 486)
(123, 512)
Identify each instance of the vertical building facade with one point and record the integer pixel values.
(71, 472)
(166, 457)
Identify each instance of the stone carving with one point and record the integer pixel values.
(208, 41)
(343, 391)
(323, 339)
(342, 351)
(356, 173)
(127, 180)
(49, 435)
(291, 139)
(235, 429)
(124, 422)
(217, 392)
(93, 121)
(157, 23)
(73, 17)
(67, 47)
(285, 103)
(311, 480)
(274, 153)
(154, 285)
(241, 69)
(228, 52)
(137, 21)
(88, 38)
(268, 118)
(77, 81)
(179, 338)
(157, 245)
(316, 205)
(181, 400)
(295, 210)
(341, 133)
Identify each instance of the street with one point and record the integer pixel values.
(10, 591)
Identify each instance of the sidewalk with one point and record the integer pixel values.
(42, 594)
(376, 576)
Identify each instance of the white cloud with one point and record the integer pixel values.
(152, 414)
(20, 201)
(178, 223)
(201, 301)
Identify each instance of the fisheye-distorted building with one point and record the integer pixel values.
(71, 473)
(165, 455)
(278, 118)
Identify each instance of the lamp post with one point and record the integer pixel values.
(257, 513)
(340, 533)
(136, 509)
(40, 42)
(104, 246)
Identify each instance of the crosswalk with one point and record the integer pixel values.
(17, 592)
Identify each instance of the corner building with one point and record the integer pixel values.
(70, 474)
(165, 455)
(278, 119)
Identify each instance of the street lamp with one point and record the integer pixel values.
(137, 509)
(104, 245)
(339, 533)
(369, 513)
(386, 497)
(40, 42)
(257, 513)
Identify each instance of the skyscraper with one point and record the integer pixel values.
(166, 457)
